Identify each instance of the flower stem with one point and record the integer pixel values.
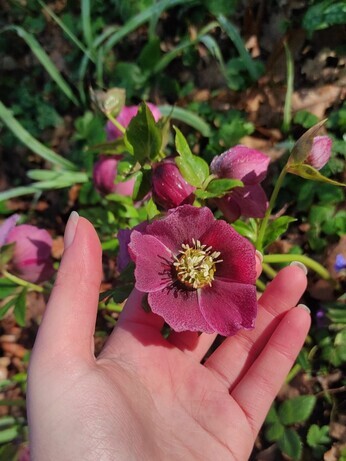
(268, 270)
(21, 282)
(264, 223)
(260, 285)
(287, 258)
(116, 123)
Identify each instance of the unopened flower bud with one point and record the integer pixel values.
(320, 152)
(104, 175)
(169, 187)
(32, 253)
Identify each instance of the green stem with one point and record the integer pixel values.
(310, 263)
(264, 223)
(268, 270)
(116, 123)
(290, 81)
(21, 282)
(260, 285)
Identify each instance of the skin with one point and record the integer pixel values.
(144, 397)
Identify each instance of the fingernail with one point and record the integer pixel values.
(303, 306)
(301, 265)
(259, 256)
(70, 229)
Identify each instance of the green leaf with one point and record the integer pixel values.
(308, 172)
(276, 228)
(305, 118)
(291, 444)
(220, 187)
(45, 60)
(6, 307)
(188, 117)
(272, 416)
(296, 410)
(30, 142)
(274, 432)
(86, 23)
(193, 168)
(317, 435)
(246, 229)
(324, 14)
(20, 308)
(7, 287)
(7, 435)
(144, 136)
(151, 209)
(142, 184)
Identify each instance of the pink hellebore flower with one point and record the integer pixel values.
(124, 118)
(250, 166)
(199, 273)
(32, 252)
(320, 152)
(104, 175)
(169, 187)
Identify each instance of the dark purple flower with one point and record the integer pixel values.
(199, 273)
(32, 253)
(104, 176)
(169, 187)
(7, 226)
(320, 152)
(340, 263)
(250, 166)
(124, 118)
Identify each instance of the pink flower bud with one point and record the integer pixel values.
(32, 253)
(169, 187)
(124, 118)
(6, 227)
(104, 175)
(320, 152)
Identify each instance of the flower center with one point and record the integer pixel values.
(195, 266)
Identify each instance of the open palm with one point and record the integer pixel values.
(144, 397)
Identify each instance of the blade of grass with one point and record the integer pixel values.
(33, 144)
(45, 60)
(17, 192)
(67, 31)
(86, 24)
(187, 117)
(289, 90)
(141, 18)
(234, 35)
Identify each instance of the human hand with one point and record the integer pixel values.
(144, 397)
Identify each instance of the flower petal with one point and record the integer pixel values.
(252, 201)
(181, 225)
(6, 227)
(153, 262)
(237, 253)
(241, 162)
(180, 309)
(320, 152)
(228, 307)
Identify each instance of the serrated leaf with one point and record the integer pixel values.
(303, 146)
(144, 136)
(291, 444)
(246, 230)
(274, 432)
(20, 308)
(308, 172)
(151, 209)
(296, 410)
(275, 228)
(181, 144)
(317, 435)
